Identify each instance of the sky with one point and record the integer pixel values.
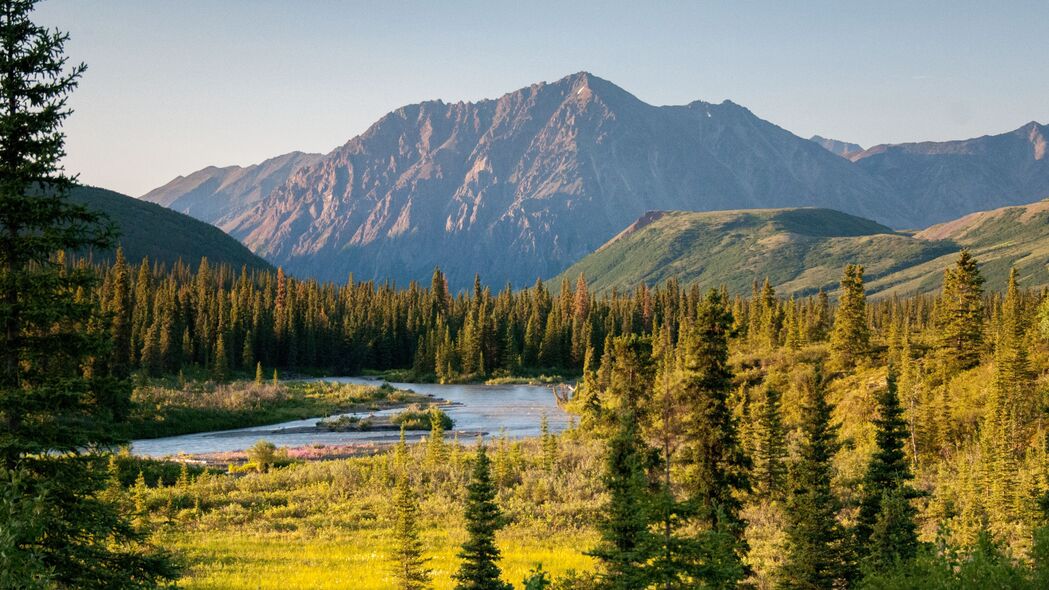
(172, 87)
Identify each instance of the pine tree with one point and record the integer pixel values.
(220, 366)
(850, 337)
(258, 373)
(961, 313)
(479, 569)
(888, 475)
(770, 447)
(53, 413)
(815, 556)
(626, 543)
(714, 465)
(409, 569)
(894, 538)
(549, 444)
(436, 453)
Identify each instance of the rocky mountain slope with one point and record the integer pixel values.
(799, 250)
(163, 235)
(525, 185)
(212, 193)
(522, 186)
(948, 179)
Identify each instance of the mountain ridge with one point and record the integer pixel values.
(524, 185)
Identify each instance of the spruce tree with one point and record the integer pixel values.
(436, 453)
(850, 337)
(770, 447)
(480, 556)
(961, 313)
(54, 414)
(409, 563)
(626, 543)
(888, 475)
(258, 373)
(714, 465)
(815, 555)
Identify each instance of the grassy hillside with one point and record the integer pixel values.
(1000, 239)
(799, 250)
(163, 235)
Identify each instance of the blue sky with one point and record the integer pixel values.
(176, 86)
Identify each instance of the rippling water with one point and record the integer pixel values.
(513, 409)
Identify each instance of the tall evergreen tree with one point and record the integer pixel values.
(770, 447)
(715, 467)
(888, 475)
(54, 415)
(961, 314)
(815, 556)
(626, 543)
(850, 337)
(480, 556)
(409, 563)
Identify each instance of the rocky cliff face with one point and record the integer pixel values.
(948, 179)
(522, 186)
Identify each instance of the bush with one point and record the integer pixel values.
(416, 418)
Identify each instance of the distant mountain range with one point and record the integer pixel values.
(841, 148)
(148, 230)
(525, 185)
(948, 179)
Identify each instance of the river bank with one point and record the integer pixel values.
(513, 411)
(163, 409)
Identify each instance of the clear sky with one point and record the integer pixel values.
(174, 86)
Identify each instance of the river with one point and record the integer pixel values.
(515, 410)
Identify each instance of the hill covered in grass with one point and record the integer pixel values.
(163, 235)
(800, 250)
(1000, 239)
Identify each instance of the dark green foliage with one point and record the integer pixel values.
(150, 231)
(893, 538)
(770, 447)
(480, 569)
(816, 555)
(58, 397)
(984, 566)
(715, 467)
(626, 544)
(537, 579)
(888, 477)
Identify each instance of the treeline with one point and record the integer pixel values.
(226, 320)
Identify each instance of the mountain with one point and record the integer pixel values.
(834, 146)
(948, 179)
(211, 193)
(799, 250)
(163, 235)
(522, 186)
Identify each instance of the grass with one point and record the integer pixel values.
(164, 409)
(328, 524)
(337, 560)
